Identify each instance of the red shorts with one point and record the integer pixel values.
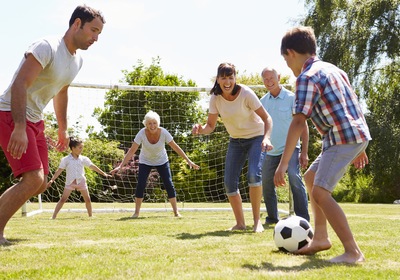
(36, 156)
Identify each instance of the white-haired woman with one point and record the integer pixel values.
(154, 155)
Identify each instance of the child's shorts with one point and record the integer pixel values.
(79, 187)
(331, 164)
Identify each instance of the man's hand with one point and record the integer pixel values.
(63, 141)
(18, 142)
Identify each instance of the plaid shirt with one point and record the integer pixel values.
(324, 94)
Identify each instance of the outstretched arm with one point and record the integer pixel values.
(132, 150)
(208, 127)
(55, 176)
(98, 170)
(180, 152)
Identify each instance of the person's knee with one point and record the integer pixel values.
(309, 179)
(319, 195)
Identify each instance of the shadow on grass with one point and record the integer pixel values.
(129, 218)
(313, 262)
(222, 233)
(12, 241)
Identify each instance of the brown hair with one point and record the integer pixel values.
(85, 14)
(225, 70)
(74, 142)
(300, 39)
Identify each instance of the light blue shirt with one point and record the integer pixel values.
(280, 109)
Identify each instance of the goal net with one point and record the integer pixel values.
(107, 118)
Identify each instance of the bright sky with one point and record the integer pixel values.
(192, 37)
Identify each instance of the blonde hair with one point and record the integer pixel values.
(151, 115)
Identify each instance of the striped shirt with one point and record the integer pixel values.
(324, 94)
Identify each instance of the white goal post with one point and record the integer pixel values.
(85, 98)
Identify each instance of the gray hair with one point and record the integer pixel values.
(270, 69)
(151, 115)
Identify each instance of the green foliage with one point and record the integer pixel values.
(122, 119)
(5, 173)
(362, 38)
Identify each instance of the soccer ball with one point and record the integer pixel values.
(292, 233)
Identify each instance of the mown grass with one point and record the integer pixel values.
(197, 246)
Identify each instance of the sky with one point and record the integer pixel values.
(192, 37)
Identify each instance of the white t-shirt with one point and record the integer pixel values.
(153, 154)
(238, 115)
(59, 69)
(75, 168)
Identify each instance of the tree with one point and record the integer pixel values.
(124, 111)
(362, 38)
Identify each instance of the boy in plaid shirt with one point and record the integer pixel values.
(324, 94)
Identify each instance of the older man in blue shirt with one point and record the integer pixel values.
(279, 104)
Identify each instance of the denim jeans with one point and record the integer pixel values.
(240, 150)
(300, 201)
(165, 174)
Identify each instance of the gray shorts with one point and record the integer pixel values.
(331, 164)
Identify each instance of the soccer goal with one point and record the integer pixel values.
(107, 118)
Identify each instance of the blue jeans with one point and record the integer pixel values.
(240, 150)
(296, 184)
(165, 174)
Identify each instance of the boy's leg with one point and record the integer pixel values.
(321, 239)
(337, 219)
(328, 169)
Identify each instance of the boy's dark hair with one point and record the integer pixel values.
(85, 14)
(224, 70)
(301, 40)
(73, 142)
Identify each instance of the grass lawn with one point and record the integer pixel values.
(197, 246)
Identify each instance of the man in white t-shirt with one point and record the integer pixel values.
(45, 72)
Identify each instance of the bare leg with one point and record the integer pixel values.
(255, 199)
(174, 207)
(13, 198)
(337, 219)
(320, 241)
(61, 202)
(138, 204)
(88, 202)
(236, 204)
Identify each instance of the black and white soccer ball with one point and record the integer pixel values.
(292, 233)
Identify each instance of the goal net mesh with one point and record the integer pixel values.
(107, 118)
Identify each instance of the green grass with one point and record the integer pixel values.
(197, 246)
